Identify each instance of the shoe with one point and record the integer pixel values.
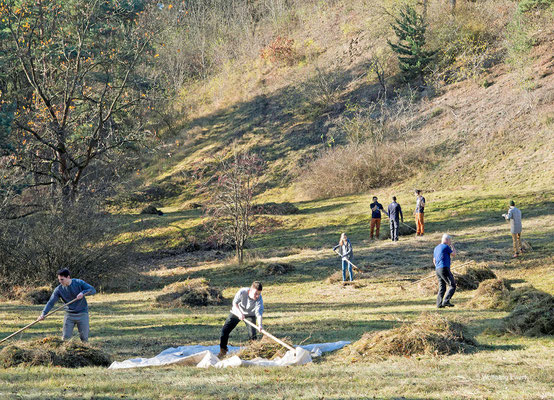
(222, 352)
(440, 306)
(514, 256)
(448, 304)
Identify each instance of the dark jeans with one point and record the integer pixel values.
(394, 230)
(445, 278)
(230, 323)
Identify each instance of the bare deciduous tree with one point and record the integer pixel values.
(231, 202)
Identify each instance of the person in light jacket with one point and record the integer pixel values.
(514, 216)
(345, 251)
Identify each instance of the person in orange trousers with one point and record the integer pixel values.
(375, 224)
(418, 213)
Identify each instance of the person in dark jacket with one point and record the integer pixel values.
(75, 313)
(419, 212)
(375, 224)
(345, 251)
(395, 216)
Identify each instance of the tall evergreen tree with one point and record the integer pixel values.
(413, 59)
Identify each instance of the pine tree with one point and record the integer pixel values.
(410, 31)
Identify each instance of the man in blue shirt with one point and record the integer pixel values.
(441, 260)
(375, 224)
(75, 313)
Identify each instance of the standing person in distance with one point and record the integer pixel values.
(395, 214)
(247, 304)
(441, 260)
(418, 213)
(514, 216)
(75, 313)
(375, 224)
(345, 251)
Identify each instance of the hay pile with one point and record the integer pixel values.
(264, 348)
(467, 278)
(430, 334)
(52, 351)
(491, 294)
(533, 312)
(278, 269)
(192, 292)
(285, 208)
(336, 277)
(37, 295)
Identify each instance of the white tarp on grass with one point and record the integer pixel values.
(204, 357)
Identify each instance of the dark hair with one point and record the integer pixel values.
(257, 285)
(418, 191)
(512, 203)
(393, 198)
(374, 197)
(64, 272)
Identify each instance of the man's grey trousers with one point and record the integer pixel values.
(72, 319)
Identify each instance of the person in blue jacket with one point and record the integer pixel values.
(345, 251)
(441, 260)
(75, 313)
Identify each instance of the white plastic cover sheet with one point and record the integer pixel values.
(204, 357)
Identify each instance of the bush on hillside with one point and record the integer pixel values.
(52, 351)
(189, 293)
(356, 168)
(32, 249)
(430, 333)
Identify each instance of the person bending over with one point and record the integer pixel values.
(247, 304)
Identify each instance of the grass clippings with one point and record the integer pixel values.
(53, 351)
(430, 334)
(264, 348)
(189, 293)
(533, 313)
(491, 294)
(278, 268)
(272, 208)
(467, 278)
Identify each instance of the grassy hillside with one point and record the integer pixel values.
(485, 133)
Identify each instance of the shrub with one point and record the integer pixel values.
(528, 5)
(356, 168)
(32, 249)
(280, 51)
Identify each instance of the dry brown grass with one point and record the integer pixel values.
(191, 292)
(533, 313)
(491, 294)
(264, 348)
(431, 334)
(467, 278)
(52, 351)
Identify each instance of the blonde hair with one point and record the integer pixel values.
(343, 239)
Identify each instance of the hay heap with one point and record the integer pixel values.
(491, 294)
(264, 348)
(38, 295)
(52, 351)
(430, 334)
(192, 292)
(533, 312)
(278, 269)
(285, 208)
(467, 278)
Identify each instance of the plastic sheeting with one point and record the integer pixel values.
(204, 357)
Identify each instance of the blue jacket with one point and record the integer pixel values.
(68, 293)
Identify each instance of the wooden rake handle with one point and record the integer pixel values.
(37, 321)
(268, 334)
(348, 261)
